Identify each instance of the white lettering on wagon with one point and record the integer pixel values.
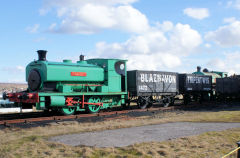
(145, 78)
(197, 79)
(143, 88)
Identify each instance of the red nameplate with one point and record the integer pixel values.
(78, 74)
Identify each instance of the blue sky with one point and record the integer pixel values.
(152, 34)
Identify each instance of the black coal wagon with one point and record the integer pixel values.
(228, 87)
(195, 87)
(148, 87)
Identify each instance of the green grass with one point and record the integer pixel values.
(33, 142)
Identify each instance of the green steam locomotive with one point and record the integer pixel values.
(88, 85)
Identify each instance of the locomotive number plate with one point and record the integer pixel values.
(78, 74)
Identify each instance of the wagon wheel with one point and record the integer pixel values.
(186, 99)
(93, 108)
(68, 110)
(172, 101)
(150, 103)
(201, 99)
(166, 101)
(143, 102)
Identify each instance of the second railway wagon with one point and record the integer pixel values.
(194, 86)
(148, 87)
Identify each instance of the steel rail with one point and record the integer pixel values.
(101, 114)
(62, 118)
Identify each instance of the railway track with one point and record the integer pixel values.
(12, 116)
(40, 119)
(85, 117)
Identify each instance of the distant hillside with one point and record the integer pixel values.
(9, 87)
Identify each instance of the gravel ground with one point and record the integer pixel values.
(128, 136)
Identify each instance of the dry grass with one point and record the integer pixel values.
(33, 142)
(211, 144)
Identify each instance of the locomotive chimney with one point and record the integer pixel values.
(198, 69)
(42, 55)
(81, 57)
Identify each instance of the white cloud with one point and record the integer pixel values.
(197, 13)
(130, 19)
(229, 20)
(20, 68)
(52, 27)
(229, 63)
(157, 61)
(165, 26)
(235, 4)
(91, 16)
(16, 69)
(155, 49)
(159, 47)
(33, 29)
(217, 63)
(185, 37)
(207, 45)
(229, 3)
(226, 36)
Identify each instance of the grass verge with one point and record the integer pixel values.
(32, 142)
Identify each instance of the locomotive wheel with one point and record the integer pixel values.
(142, 102)
(93, 108)
(68, 110)
(126, 105)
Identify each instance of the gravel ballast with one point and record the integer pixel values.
(128, 136)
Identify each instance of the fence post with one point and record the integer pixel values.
(238, 152)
